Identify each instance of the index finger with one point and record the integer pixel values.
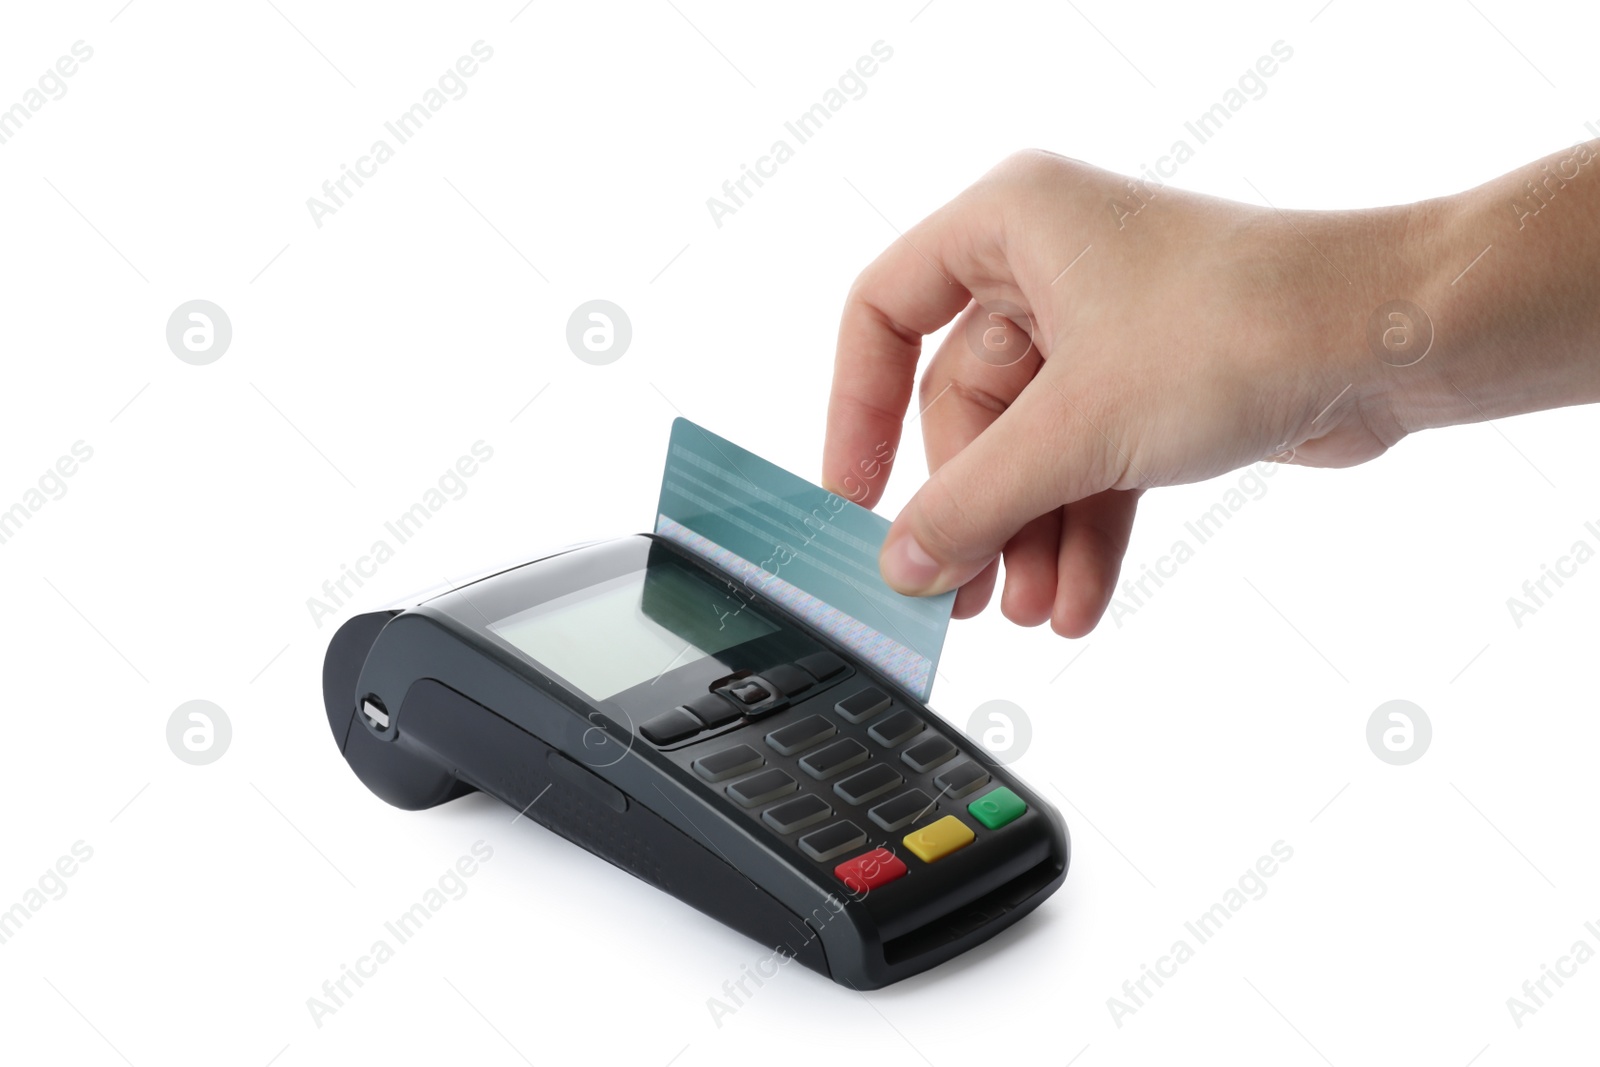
(917, 285)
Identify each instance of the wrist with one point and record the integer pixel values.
(1423, 337)
(1504, 284)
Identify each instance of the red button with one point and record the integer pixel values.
(870, 870)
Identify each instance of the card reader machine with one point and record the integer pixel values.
(665, 717)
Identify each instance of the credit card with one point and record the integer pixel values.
(809, 550)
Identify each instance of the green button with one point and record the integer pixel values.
(997, 808)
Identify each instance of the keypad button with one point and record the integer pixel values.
(801, 735)
(753, 696)
(872, 782)
(890, 730)
(926, 755)
(998, 807)
(961, 779)
(937, 840)
(821, 665)
(832, 840)
(760, 788)
(902, 810)
(720, 766)
(670, 726)
(870, 870)
(749, 692)
(797, 814)
(791, 680)
(713, 710)
(863, 704)
(835, 759)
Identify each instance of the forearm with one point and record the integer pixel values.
(1509, 275)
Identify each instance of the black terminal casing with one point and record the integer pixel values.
(428, 704)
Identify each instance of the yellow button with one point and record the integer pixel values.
(937, 840)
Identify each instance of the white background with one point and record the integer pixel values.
(1226, 714)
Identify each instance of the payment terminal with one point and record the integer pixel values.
(649, 707)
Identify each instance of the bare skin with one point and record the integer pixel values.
(1193, 337)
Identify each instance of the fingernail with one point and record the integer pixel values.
(908, 567)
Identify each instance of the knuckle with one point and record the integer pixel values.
(856, 294)
(883, 320)
(1033, 163)
(979, 396)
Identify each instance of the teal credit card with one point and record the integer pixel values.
(809, 550)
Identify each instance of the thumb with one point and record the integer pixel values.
(1041, 453)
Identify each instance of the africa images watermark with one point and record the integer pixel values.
(1536, 592)
(1252, 85)
(1542, 193)
(811, 526)
(1136, 992)
(735, 991)
(1135, 592)
(802, 128)
(51, 885)
(451, 485)
(451, 885)
(52, 485)
(52, 85)
(410, 122)
(1536, 991)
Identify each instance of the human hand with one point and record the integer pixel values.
(1165, 337)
